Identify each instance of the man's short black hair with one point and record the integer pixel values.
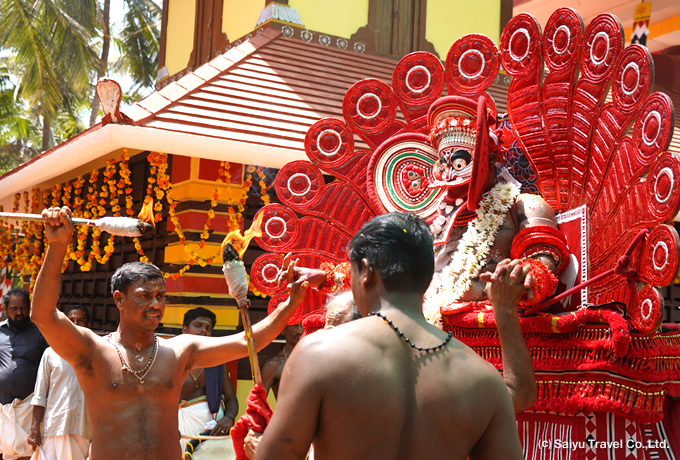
(132, 272)
(17, 292)
(77, 306)
(197, 312)
(400, 248)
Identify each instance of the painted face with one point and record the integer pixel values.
(144, 302)
(77, 317)
(18, 312)
(199, 326)
(454, 165)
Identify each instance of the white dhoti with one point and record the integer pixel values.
(15, 426)
(69, 446)
(192, 417)
(194, 414)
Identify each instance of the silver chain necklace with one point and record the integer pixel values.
(140, 374)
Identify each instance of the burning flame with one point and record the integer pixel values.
(241, 242)
(146, 214)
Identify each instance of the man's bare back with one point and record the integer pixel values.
(391, 401)
(391, 385)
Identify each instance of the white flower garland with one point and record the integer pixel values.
(473, 247)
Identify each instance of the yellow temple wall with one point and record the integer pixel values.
(331, 16)
(239, 17)
(180, 34)
(447, 21)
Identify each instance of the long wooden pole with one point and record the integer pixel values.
(252, 352)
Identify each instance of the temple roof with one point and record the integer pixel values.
(252, 104)
(267, 92)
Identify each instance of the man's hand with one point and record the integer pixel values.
(35, 438)
(251, 442)
(58, 225)
(504, 288)
(296, 288)
(313, 276)
(223, 426)
(508, 283)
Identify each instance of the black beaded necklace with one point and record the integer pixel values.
(407, 340)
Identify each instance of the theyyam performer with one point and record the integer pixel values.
(587, 137)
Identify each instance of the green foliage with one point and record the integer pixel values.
(139, 42)
(49, 57)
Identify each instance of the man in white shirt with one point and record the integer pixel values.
(59, 404)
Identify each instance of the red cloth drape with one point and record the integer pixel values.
(257, 416)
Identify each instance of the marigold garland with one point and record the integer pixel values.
(109, 191)
(88, 200)
(263, 186)
(224, 177)
(194, 256)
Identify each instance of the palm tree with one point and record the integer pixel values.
(51, 44)
(137, 43)
(59, 48)
(16, 124)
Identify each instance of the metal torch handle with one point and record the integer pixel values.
(252, 352)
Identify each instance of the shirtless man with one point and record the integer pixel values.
(130, 379)
(272, 370)
(197, 407)
(392, 386)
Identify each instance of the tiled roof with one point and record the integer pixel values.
(267, 91)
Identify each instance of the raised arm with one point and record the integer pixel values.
(505, 287)
(211, 351)
(68, 340)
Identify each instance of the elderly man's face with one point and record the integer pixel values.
(18, 312)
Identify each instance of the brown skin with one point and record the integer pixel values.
(360, 382)
(77, 317)
(518, 371)
(273, 369)
(130, 419)
(203, 326)
(338, 311)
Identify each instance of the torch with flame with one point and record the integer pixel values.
(233, 248)
(146, 213)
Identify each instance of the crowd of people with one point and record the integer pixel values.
(377, 372)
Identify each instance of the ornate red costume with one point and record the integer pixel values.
(604, 367)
